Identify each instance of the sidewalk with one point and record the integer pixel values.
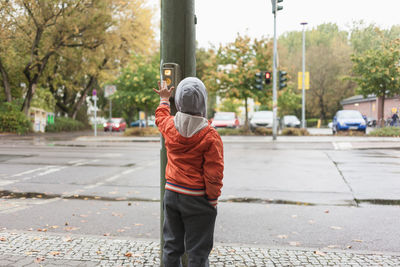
(19, 248)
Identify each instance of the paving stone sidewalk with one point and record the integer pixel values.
(50, 249)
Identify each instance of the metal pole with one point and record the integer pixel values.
(110, 115)
(178, 45)
(274, 90)
(95, 115)
(303, 101)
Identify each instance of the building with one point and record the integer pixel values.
(368, 106)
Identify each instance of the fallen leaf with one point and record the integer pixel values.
(86, 198)
(84, 215)
(84, 221)
(294, 216)
(3, 239)
(55, 253)
(282, 236)
(54, 226)
(39, 196)
(121, 230)
(311, 221)
(39, 259)
(66, 223)
(98, 252)
(357, 240)
(42, 230)
(294, 243)
(317, 252)
(113, 192)
(67, 239)
(336, 227)
(138, 224)
(97, 197)
(128, 254)
(106, 234)
(326, 211)
(349, 247)
(129, 204)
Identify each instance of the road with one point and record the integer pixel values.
(315, 192)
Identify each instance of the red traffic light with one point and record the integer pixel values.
(268, 75)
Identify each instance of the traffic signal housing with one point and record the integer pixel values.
(259, 80)
(267, 77)
(275, 6)
(282, 79)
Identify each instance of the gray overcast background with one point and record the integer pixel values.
(219, 21)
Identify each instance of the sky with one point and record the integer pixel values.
(219, 21)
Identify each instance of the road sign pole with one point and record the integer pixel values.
(94, 95)
(110, 116)
(178, 45)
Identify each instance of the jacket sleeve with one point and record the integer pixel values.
(162, 114)
(214, 169)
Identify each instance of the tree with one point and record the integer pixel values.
(327, 60)
(377, 71)
(135, 86)
(238, 64)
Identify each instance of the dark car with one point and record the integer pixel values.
(346, 120)
(142, 123)
(290, 121)
(225, 120)
(115, 124)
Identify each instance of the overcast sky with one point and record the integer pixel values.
(219, 21)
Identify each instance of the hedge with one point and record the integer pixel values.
(12, 120)
(64, 124)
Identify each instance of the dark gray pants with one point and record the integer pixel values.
(188, 224)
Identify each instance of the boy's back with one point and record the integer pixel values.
(194, 173)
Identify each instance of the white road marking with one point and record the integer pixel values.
(14, 205)
(342, 145)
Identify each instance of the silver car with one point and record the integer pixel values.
(261, 119)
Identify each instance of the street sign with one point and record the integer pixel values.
(300, 80)
(109, 90)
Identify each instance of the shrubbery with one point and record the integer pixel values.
(144, 131)
(386, 131)
(295, 132)
(12, 120)
(64, 124)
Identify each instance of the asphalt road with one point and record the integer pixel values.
(319, 192)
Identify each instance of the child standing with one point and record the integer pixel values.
(193, 174)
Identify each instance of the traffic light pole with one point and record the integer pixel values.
(178, 45)
(303, 101)
(274, 89)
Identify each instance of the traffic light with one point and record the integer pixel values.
(276, 7)
(282, 79)
(259, 80)
(267, 77)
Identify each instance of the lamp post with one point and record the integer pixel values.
(303, 101)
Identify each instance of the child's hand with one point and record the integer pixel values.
(163, 90)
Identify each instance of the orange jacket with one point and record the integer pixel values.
(195, 164)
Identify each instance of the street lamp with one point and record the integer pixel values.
(303, 102)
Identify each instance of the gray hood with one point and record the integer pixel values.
(191, 103)
(191, 97)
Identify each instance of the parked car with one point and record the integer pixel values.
(345, 120)
(142, 123)
(115, 124)
(262, 119)
(290, 121)
(225, 120)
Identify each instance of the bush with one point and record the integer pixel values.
(312, 122)
(12, 120)
(144, 131)
(64, 124)
(386, 131)
(295, 132)
(263, 131)
(237, 131)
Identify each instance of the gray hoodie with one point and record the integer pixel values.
(191, 104)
